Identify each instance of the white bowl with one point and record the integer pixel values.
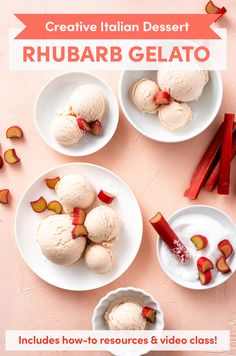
(226, 221)
(204, 110)
(55, 95)
(79, 277)
(99, 323)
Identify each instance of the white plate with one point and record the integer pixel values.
(222, 218)
(141, 296)
(79, 277)
(204, 110)
(55, 95)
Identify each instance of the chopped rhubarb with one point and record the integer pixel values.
(4, 196)
(222, 265)
(14, 132)
(205, 165)
(39, 205)
(55, 206)
(105, 197)
(52, 182)
(226, 248)
(162, 98)
(79, 216)
(204, 264)
(1, 162)
(205, 278)
(79, 230)
(225, 155)
(10, 156)
(213, 178)
(211, 8)
(149, 314)
(170, 238)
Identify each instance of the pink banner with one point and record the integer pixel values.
(117, 26)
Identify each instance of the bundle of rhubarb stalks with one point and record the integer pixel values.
(214, 167)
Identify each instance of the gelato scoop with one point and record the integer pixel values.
(99, 258)
(75, 191)
(102, 224)
(89, 102)
(125, 315)
(56, 242)
(183, 85)
(143, 94)
(65, 130)
(175, 115)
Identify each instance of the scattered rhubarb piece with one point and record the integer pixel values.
(39, 205)
(11, 157)
(162, 98)
(222, 265)
(226, 248)
(4, 196)
(199, 241)
(55, 206)
(149, 314)
(170, 238)
(14, 132)
(79, 230)
(225, 155)
(83, 124)
(79, 216)
(213, 178)
(1, 162)
(205, 165)
(205, 278)
(52, 182)
(211, 8)
(96, 128)
(105, 197)
(204, 264)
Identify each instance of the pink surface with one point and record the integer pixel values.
(160, 173)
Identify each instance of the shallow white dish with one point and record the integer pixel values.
(99, 323)
(55, 95)
(204, 110)
(222, 218)
(79, 277)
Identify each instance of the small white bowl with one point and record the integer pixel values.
(218, 215)
(55, 95)
(204, 110)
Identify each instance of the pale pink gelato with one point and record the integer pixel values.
(143, 94)
(65, 130)
(99, 258)
(175, 115)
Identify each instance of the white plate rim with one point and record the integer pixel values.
(140, 218)
(75, 153)
(159, 243)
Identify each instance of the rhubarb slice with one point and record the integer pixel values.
(83, 124)
(79, 230)
(204, 264)
(39, 205)
(199, 241)
(1, 162)
(170, 238)
(55, 206)
(149, 314)
(52, 182)
(79, 216)
(11, 157)
(225, 155)
(14, 132)
(205, 278)
(96, 128)
(162, 98)
(205, 165)
(222, 265)
(226, 248)
(211, 8)
(105, 197)
(4, 196)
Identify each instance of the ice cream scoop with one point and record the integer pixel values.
(65, 130)
(55, 240)
(183, 85)
(143, 94)
(99, 258)
(75, 191)
(175, 115)
(89, 102)
(102, 224)
(125, 314)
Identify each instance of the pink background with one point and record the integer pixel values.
(163, 171)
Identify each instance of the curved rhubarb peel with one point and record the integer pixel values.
(10, 156)
(204, 264)
(222, 265)
(105, 197)
(52, 182)
(14, 132)
(39, 205)
(1, 162)
(4, 196)
(55, 206)
(149, 314)
(199, 241)
(79, 216)
(205, 278)
(226, 248)
(79, 230)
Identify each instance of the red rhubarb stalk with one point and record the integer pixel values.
(214, 176)
(225, 155)
(170, 238)
(205, 165)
